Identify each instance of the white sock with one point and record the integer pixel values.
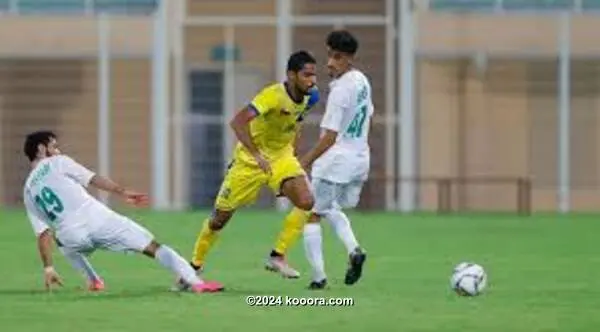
(170, 259)
(80, 263)
(313, 250)
(341, 224)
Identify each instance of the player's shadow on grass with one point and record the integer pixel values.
(238, 291)
(21, 292)
(158, 291)
(78, 294)
(69, 294)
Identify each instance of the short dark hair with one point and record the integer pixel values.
(342, 41)
(298, 60)
(30, 148)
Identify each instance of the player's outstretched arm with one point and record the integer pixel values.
(240, 124)
(85, 177)
(110, 186)
(326, 141)
(107, 184)
(331, 124)
(313, 99)
(297, 138)
(51, 277)
(44, 242)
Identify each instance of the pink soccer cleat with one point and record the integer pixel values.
(208, 287)
(280, 265)
(96, 285)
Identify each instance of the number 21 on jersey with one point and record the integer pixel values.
(50, 203)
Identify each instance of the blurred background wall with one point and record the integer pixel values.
(481, 104)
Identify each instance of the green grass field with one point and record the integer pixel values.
(544, 276)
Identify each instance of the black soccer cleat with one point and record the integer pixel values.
(198, 268)
(354, 272)
(318, 285)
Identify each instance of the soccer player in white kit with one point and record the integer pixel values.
(60, 208)
(341, 159)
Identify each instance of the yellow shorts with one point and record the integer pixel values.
(243, 181)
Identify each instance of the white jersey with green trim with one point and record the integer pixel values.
(55, 192)
(348, 112)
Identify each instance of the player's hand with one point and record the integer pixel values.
(51, 277)
(263, 163)
(135, 198)
(305, 163)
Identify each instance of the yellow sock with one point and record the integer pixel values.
(292, 228)
(206, 239)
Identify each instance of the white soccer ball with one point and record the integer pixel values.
(468, 279)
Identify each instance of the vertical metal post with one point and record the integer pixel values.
(229, 92)
(407, 146)
(499, 6)
(104, 141)
(178, 123)
(284, 48)
(2, 146)
(390, 96)
(89, 8)
(160, 106)
(564, 113)
(13, 7)
(284, 36)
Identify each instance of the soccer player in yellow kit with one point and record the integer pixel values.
(266, 130)
(340, 161)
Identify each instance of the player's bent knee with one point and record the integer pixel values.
(314, 218)
(217, 225)
(151, 249)
(306, 203)
(219, 220)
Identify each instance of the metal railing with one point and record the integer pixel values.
(452, 194)
(76, 7)
(499, 6)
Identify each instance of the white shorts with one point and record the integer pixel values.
(106, 230)
(331, 195)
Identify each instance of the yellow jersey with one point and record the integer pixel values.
(274, 128)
